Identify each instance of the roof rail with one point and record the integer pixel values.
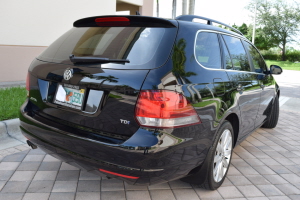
(209, 21)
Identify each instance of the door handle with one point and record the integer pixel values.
(240, 88)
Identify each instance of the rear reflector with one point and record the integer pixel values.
(112, 21)
(116, 174)
(164, 109)
(27, 84)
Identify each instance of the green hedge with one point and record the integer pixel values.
(270, 56)
(291, 55)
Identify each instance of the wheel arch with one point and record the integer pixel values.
(278, 93)
(277, 90)
(234, 120)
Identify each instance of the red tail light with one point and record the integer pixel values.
(164, 109)
(27, 84)
(112, 21)
(116, 174)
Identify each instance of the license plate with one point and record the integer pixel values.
(70, 96)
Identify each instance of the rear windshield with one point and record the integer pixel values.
(145, 48)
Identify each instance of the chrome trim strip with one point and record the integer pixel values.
(219, 32)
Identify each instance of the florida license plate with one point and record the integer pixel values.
(69, 96)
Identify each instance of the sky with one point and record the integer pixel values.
(227, 11)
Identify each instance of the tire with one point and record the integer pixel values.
(272, 119)
(217, 160)
(213, 181)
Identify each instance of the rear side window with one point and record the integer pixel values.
(144, 47)
(237, 53)
(256, 59)
(207, 50)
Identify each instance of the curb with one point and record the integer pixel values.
(12, 84)
(10, 129)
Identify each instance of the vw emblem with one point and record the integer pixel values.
(68, 74)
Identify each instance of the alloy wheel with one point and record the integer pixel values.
(222, 156)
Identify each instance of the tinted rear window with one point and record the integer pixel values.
(145, 48)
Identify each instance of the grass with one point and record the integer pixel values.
(11, 100)
(204, 103)
(285, 65)
(114, 96)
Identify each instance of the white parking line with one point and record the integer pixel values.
(282, 100)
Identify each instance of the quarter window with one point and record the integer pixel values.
(237, 52)
(227, 59)
(257, 61)
(207, 50)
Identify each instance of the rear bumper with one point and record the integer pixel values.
(153, 156)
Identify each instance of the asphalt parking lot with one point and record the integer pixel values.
(265, 166)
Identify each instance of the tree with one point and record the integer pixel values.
(157, 8)
(262, 41)
(108, 78)
(243, 28)
(278, 20)
(191, 7)
(184, 7)
(174, 6)
(179, 59)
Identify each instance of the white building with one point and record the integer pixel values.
(28, 27)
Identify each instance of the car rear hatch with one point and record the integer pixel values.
(89, 79)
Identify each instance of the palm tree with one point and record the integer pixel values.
(179, 59)
(192, 7)
(174, 6)
(157, 8)
(108, 78)
(184, 7)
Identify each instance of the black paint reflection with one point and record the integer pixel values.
(179, 59)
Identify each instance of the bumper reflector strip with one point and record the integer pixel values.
(116, 174)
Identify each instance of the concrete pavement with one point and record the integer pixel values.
(289, 83)
(265, 166)
(10, 134)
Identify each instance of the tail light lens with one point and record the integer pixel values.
(164, 109)
(27, 84)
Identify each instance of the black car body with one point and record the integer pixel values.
(148, 96)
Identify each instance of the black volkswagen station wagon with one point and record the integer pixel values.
(149, 100)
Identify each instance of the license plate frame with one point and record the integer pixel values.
(71, 96)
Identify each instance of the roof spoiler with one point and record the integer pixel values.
(123, 21)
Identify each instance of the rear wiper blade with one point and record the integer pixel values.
(79, 59)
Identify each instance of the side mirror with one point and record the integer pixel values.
(274, 69)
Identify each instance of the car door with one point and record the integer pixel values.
(244, 81)
(266, 82)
